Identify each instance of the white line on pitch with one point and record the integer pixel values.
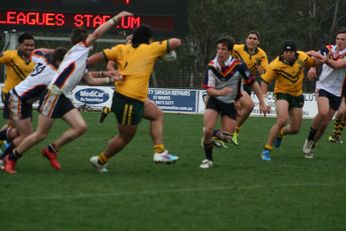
(165, 191)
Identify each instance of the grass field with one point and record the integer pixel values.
(241, 192)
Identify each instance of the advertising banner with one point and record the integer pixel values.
(174, 100)
(91, 98)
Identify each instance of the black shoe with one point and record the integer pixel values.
(104, 113)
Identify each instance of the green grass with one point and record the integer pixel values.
(241, 192)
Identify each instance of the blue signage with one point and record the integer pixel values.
(92, 96)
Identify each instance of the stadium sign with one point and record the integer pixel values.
(167, 17)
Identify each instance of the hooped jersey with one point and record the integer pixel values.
(331, 79)
(230, 75)
(38, 79)
(288, 77)
(71, 70)
(258, 58)
(136, 66)
(17, 69)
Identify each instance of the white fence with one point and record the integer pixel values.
(169, 100)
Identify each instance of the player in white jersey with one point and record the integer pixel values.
(328, 89)
(26, 92)
(54, 103)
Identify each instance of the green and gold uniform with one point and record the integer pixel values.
(289, 78)
(17, 69)
(251, 59)
(135, 66)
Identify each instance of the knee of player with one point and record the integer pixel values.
(208, 131)
(249, 105)
(82, 128)
(40, 135)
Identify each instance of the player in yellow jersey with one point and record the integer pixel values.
(288, 72)
(256, 60)
(18, 66)
(151, 111)
(135, 64)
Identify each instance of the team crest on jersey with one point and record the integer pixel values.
(258, 61)
(300, 64)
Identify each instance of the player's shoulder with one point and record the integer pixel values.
(276, 62)
(10, 53)
(302, 55)
(238, 47)
(261, 51)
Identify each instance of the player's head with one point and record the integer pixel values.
(142, 34)
(224, 46)
(58, 55)
(341, 39)
(26, 43)
(289, 51)
(253, 39)
(78, 35)
(227, 42)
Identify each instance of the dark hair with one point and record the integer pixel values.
(227, 41)
(25, 36)
(341, 31)
(142, 34)
(289, 45)
(78, 35)
(59, 54)
(254, 32)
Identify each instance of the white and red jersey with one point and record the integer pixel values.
(331, 80)
(71, 70)
(38, 79)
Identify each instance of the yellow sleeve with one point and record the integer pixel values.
(160, 48)
(269, 75)
(5, 57)
(112, 54)
(236, 49)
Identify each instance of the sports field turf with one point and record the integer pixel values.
(241, 192)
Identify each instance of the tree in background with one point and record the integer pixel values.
(310, 23)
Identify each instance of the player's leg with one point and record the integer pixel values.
(24, 128)
(21, 117)
(247, 106)
(44, 125)
(327, 105)
(296, 104)
(282, 111)
(339, 124)
(209, 121)
(293, 127)
(77, 128)
(153, 113)
(129, 113)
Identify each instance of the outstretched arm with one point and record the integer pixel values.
(105, 27)
(263, 103)
(95, 58)
(101, 77)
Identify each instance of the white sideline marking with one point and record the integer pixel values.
(165, 191)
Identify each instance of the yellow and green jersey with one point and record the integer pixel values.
(258, 57)
(288, 77)
(17, 69)
(136, 66)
